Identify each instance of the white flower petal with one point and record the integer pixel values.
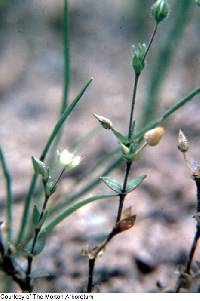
(66, 157)
(76, 161)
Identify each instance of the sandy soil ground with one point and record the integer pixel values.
(31, 67)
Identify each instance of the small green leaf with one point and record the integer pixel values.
(36, 215)
(112, 184)
(40, 168)
(39, 273)
(123, 139)
(132, 184)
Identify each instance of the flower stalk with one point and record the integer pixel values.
(138, 61)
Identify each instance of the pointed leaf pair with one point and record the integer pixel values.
(117, 187)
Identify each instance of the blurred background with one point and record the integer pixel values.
(31, 87)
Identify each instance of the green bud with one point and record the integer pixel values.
(40, 168)
(160, 10)
(105, 122)
(197, 2)
(128, 153)
(50, 188)
(138, 57)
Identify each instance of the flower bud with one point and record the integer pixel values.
(197, 2)
(160, 10)
(138, 57)
(105, 122)
(183, 145)
(40, 168)
(153, 137)
(124, 149)
(50, 188)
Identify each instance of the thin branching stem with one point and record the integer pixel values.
(123, 194)
(122, 197)
(192, 250)
(150, 41)
(37, 232)
(130, 127)
(196, 238)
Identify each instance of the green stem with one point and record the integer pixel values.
(36, 234)
(151, 41)
(130, 128)
(163, 59)
(123, 193)
(55, 131)
(9, 196)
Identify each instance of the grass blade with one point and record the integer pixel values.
(66, 49)
(9, 196)
(62, 119)
(56, 129)
(72, 209)
(168, 112)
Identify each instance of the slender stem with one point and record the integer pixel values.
(197, 233)
(136, 82)
(91, 273)
(122, 197)
(36, 234)
(195, 239)
(192, 250)
(123, 193)
(132, 106)
(150, 41)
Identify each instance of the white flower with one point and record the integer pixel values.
(67, 159)
(76, 161)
